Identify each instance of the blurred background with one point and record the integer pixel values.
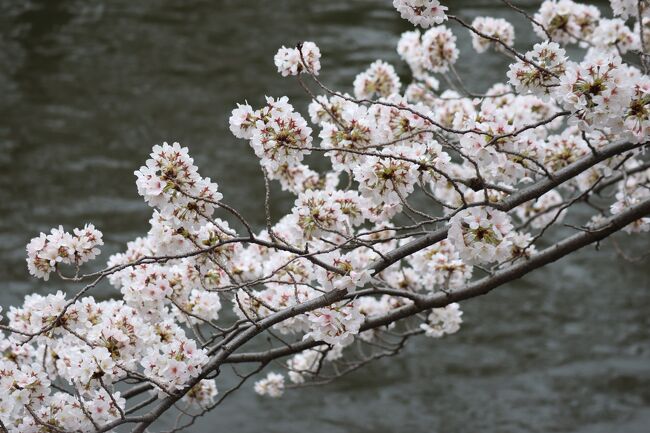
(86, 89)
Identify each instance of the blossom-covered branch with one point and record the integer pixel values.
(433, 194)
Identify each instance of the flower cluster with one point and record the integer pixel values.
(438, 50)
(348, 135)
(636, 116)
(543, 211)
(171, 183)
(495, 28)
(289, 61)
(424, 13)
(547, 62)
(433, 51)
(304, 364)
(174, 363)
(566, 21)
(480, 235)
(441, 321)
(596, 90)
(615, 36)
(336, 324)
(353, 275)
(272, 385)
(88, 346)
(279, 136)
(389, 179)
(564, 149)
(628, 8)
(440, 267)
(317, 212)
(631, 191)
(45, 252)
(202, 394)
(380, 79)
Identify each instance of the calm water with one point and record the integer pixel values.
(87, 87)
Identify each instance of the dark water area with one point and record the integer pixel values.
(86, 89)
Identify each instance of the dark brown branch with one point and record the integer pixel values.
(511, 201)
(478, 288)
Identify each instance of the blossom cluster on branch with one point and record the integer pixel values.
(434, 194)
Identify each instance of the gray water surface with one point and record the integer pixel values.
(87, 87)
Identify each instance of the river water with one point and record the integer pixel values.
(87, 87)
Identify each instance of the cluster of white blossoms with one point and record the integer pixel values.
(317, 212)
(481, 235)
(601, 91)
(45, 252)
(88, 346)
(563, 149)
(336, 324)
(301, 59)
(566, 21)
(496, 28)
(424, 13)
(173, 364)
(280, 137)
(629, 8)
(272, 385)
(614, 35)
(441, 321)
(636, 115)
(387, 179)
(541, 76)
(171, 183)
(194, 281)
(352, 278)
(434, 51)
(633, 190)
(378, 80)
(440, 267)
(202, 394)
(596, 90)
(66, 412)
(303, 364)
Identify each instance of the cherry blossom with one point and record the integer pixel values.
(497, 28)
(439, 49)
(272, 385)
(335, 325)
(627, 8)
(424, 13)
(479, 234)
(566, 21)
(379, 79)
(290, 62)
(443, 321)
(527, 77)
(596, 90)
(45, 252)
(403, 199)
